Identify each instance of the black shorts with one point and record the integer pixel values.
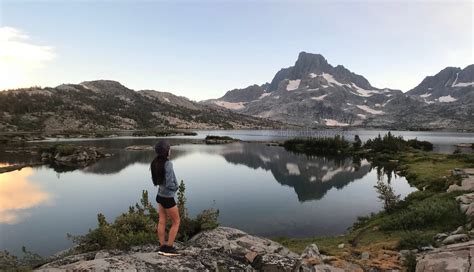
(166, 202)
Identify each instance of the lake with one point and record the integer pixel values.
(260, 189)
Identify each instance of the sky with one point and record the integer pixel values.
(201, 49)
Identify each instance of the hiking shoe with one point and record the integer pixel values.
(168, 251)
(161, 248)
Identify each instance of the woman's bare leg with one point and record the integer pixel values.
(174, 214)
(161, 228)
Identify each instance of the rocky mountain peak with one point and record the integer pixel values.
(466, 75)
(307, 63)
(442, 79)
(107, 86)
(448, 85)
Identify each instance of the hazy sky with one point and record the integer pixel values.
(201, 49)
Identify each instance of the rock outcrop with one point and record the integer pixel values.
(456, 257)
(221, 249)
(458, 248)
(75, 155)
(467, 181)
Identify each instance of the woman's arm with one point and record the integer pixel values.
(170, 178)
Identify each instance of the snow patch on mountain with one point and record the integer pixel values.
(369, 110)
(331, 80)
(463, 84)
(455, 80)
(363, 92)
(446, 99)
(319, 98)
(384, 104)
(264, 158)
(166, 99)
(425, 95)
(334, 123)
(293, 85)
(331, 173)
(264, 95)
(293, 169)
(230, 105)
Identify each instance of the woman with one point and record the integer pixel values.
(162, 174)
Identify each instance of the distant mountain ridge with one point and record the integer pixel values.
(316, 94)
(311, 93)
(449, 85)
(108, 105)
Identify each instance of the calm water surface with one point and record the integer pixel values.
(260, 189)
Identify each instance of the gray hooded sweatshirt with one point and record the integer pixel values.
(170, 184)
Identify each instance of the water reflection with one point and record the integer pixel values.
(124, 158)
(310, 177)
(18, 194)
(260, 189)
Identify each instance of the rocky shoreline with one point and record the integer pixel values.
(221, 249)
(59, 155)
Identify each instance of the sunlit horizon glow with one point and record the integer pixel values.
(18, 194)
(201, 49)
(19, 58)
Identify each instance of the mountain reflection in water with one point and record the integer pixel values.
(261, 189)
(310, 177)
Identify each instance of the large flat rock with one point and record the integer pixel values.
(455, 257)
(221, 249)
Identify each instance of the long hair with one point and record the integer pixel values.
(157, 166)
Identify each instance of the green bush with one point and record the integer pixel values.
(438, 211)
(357, 144)
(222, 138)
(62, 149)
(415, 240)
(386, 144)
(393, 144)
(421, 145)
(464, 157)
(319, 146)
(387, 195)
(65, 149)
(138, 226)
(27, 262)
(410, 262)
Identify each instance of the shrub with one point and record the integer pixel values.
(222, 138)
(386, 144)
(438, 211)
(319, 146)
(393, 144)
(27, 262)
(65, 149)
(357, 143)
(410, 262)
(422, 145)
(62, 149)
(387, 195)
(464, 157)
(138, 226)
(415, 240)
